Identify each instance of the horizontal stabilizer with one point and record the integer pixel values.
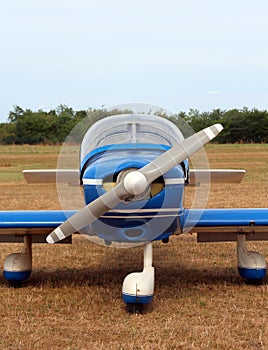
(70, 176)
(198, 176)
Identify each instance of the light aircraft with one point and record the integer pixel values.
(133, 172)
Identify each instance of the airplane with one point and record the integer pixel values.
(133, 171)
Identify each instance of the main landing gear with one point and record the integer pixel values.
(18, 266)
(138, 287)
(251, 265)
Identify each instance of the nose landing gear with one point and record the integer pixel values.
(138, 287)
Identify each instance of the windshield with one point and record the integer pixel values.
(130, 128)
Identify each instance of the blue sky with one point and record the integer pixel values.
(174, 54)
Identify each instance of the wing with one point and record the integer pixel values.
(215, 225)
(15, 224)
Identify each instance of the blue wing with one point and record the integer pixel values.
(224, 224)
(210, 224)
(38, 223)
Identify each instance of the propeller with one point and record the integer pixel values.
(134, 183)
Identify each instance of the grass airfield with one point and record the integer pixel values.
(73, 299)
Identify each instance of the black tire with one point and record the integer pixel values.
(134, 308)
(15, 284)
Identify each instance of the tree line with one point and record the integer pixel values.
(25, 126)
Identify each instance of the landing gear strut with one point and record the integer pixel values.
(138, 287)
(18, 266)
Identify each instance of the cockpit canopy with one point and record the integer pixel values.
(128, 129)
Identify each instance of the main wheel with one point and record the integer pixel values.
(255, 282)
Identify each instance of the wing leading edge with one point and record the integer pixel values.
(213, 225)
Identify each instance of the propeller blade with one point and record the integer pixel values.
(134, 183)
(89, 213)
(179, 152)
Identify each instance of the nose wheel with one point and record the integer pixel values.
(138, 287)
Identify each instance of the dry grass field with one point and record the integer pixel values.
(73, 299)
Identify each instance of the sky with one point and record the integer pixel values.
(176, 54)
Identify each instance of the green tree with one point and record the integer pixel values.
(27, 126)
